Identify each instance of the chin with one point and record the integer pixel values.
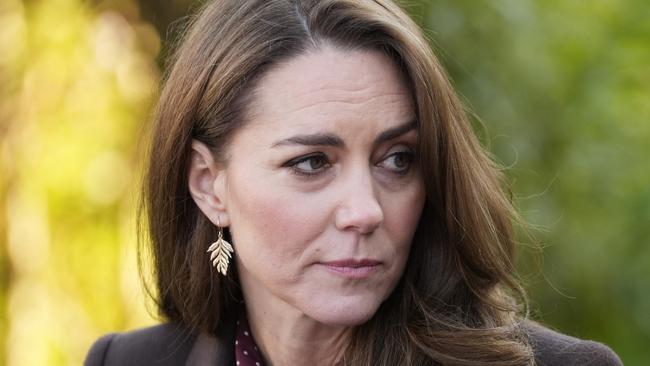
(344, 312)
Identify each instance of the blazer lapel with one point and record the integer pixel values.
(209, 350)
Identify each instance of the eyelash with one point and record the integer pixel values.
(293, 163)
(408, 154)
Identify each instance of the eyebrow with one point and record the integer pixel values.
(395, 132)
(317, 139)
(328, 139)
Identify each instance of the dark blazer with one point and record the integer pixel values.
(171, 345)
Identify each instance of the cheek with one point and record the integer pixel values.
(269, 221)
(402, 213)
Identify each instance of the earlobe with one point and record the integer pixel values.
(205, 176)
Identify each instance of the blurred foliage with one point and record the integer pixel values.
(76, 85)
(562, 89)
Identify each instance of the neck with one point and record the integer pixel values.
(289, 337)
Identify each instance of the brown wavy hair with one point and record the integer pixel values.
(458, 301)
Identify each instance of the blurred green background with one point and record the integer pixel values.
(560, 92)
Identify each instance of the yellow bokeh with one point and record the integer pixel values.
(77, 87)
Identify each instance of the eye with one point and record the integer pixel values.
(309, 165)
(399, 162)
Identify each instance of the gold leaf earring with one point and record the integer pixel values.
(221, 252)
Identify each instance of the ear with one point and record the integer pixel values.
(207, 184)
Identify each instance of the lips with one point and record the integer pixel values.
(352, 268)
(352, 263)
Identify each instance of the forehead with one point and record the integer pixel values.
(334, 87)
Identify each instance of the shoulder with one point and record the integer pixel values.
(553, 348)
(165, 344)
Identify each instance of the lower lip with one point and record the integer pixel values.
(352, 272)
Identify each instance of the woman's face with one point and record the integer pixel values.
(321, 191)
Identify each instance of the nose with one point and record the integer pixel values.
(359, 209)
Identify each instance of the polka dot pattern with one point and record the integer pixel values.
(246, 351)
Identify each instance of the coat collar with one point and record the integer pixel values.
(211, 350)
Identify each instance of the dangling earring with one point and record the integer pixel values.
(221, 252)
